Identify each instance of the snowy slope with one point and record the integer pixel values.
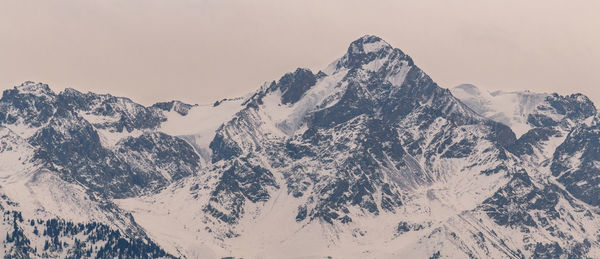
(31, 193)
(368, 158)
(200, 124)
(279, 167)
(510, 108)
(46, 147)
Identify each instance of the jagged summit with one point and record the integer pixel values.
(41, 89)
(30, 87)
(368, 44)
(69, 91)
(367, 58)
(368, 49)
(294, 85)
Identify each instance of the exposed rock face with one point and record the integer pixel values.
(342, 144)
(368, 157)
(177, 106)
(576, 163)
(67, 137)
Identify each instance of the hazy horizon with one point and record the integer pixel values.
(201, 51)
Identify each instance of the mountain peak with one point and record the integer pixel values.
(368, 44)
(366, 49)
(294, 85)
(29, 87)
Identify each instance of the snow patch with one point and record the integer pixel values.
(509, 108)
(199, 126)
(375, 46)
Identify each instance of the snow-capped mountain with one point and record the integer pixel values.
(367, 158)
(61, 170)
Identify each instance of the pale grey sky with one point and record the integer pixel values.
(198, 51)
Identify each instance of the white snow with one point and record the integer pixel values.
(374, 65)
(41, 193)
(37, 89)
(289, 118)
(397, 77)
(510, 108)
(445, 201)
(22, 129)
(375, 46)
(201, 122)
(269, 230)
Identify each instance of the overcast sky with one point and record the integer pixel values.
(198, 51)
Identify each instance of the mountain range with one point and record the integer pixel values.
(367, 158)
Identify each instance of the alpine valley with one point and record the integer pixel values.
(367, 158)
